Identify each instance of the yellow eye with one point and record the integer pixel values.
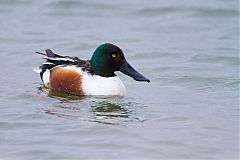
(114, 55)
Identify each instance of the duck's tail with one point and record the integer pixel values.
(54, 60)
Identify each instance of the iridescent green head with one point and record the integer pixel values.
(108, 58)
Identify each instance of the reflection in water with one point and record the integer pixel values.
(114, 113)
(64, 96)
(100, 109)
(63, 107)
(107, 107)
(110, 113)
(55, 113)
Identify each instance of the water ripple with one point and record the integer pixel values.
(195, 11)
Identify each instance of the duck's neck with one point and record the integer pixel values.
(101, 67)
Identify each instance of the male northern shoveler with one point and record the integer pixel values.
(88, 77)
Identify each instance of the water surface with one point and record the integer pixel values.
(188, 49)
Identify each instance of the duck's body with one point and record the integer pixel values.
(83, 77)
(77, 81)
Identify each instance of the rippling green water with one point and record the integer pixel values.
(189, 50)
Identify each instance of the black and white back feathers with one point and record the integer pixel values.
(54, 60)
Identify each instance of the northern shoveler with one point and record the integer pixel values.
(88, 77)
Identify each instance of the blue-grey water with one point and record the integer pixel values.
(189, 50)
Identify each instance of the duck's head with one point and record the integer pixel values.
(108, 58)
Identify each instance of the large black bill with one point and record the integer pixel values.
(130, 71)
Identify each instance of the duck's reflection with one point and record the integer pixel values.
(111, 113)
(108, 110)
(64, 96)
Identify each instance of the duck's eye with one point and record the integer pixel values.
(114, 55)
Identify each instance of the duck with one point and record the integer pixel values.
(96, 76)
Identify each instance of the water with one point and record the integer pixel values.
(189, 50)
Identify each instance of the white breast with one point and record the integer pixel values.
(97, 85)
